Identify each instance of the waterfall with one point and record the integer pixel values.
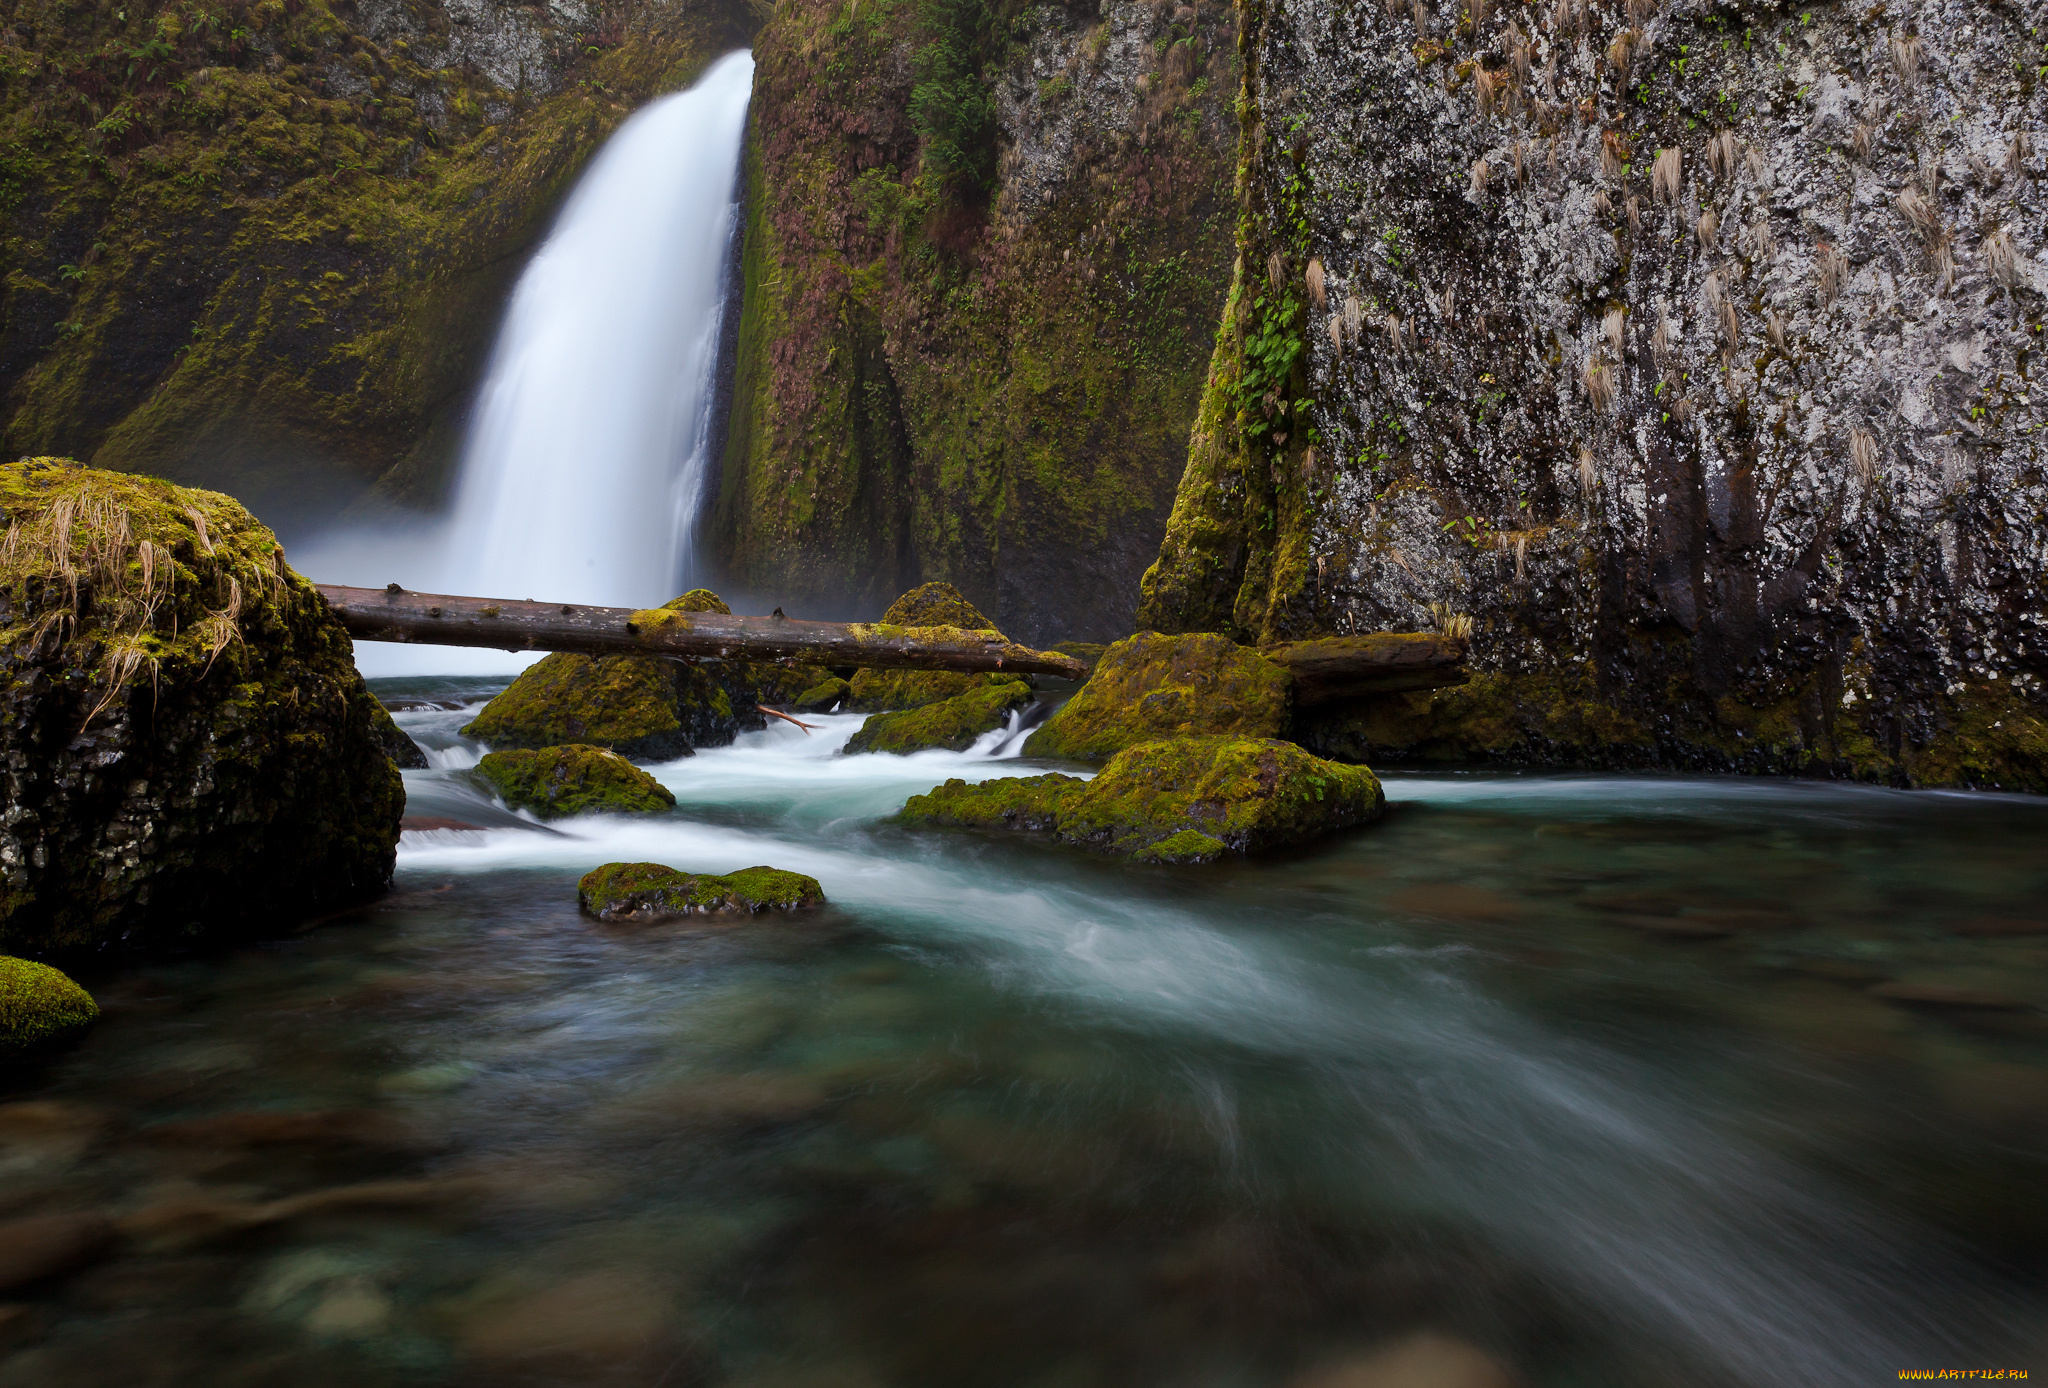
(588, 451)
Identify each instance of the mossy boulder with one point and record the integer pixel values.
(952, 724)
(621, 890)
(39, 1006)
(639, 706)
(186, 748)
(1176, 800)
(402, 750)
(929, 605)
(556, 782)
(936, 605)
(824, 696)
(1087, 652)
(1149, 686)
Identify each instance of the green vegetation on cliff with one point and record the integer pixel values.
(1170, 800)
(264, 245)
(186, 748)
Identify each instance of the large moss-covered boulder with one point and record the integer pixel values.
(1149, 686)
(39, 1006)
(556, 782)
(186, 748)
(622, 890)
(953, 723)
(928, 605)
(643, 707)
(1176, 800)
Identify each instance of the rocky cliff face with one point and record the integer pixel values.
(265, 246)
(981, 375)
(1685, 349)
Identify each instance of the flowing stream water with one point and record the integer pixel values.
(1624, 1080)
(588, 453)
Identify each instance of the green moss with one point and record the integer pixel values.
(1150, 686)
(625, 703)
(1087, 652)
(936, 605)
(1187, 846)
(40, 1006)
(698, 600)
(952, 723)
(556, 782)
(619, 890)
(1168, 799)
(823, 696)
(877, 691)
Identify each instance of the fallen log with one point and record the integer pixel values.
(392, 614)
(1386, 662)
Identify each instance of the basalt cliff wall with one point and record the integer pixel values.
(1684, 349)
(264, 246)
(985, 252)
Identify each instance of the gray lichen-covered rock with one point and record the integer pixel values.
(1683, 349)
(186, 748)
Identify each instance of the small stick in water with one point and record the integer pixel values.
(786, 718)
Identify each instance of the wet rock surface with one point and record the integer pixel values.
(556, 782)
(620, 891)
(1683, 352)
(186, 748)
(1186, 800)
(1150, 686)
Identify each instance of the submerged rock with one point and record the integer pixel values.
(1149, 686)
(619, 890)
(186, 748)
(643, 707)
(402, 750)
(555, 782)
(1179, 800)
(40, 1006)
(952, 723)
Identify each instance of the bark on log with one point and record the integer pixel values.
(392, 614)
(1352, 667)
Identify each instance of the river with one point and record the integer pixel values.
(1616, 1079)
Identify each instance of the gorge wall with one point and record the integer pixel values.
(265, 246)
(1685, 349)
(973, 336)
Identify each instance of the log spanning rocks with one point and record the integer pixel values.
(392, 614)
(186, 749)
(1180, 800)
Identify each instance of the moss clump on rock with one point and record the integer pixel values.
(1149, 686)
(186, 748)
(824, 696)
(556, 782)
(879, 691)
(953, 723)
(39, 1006)
(936, 605)
(620, 890)
(1175, 800)
(639, 706)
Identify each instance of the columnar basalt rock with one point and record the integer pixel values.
(186, 749)
(1683, 350)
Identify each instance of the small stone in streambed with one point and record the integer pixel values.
(556, 782)
(1246, 794)
(41, 1248)
(823, 697)
(621, 891)
(951, 724)
(39, 1007)
(1999, 927)
(1957, 995)
(1420, 1361)
(425, 823)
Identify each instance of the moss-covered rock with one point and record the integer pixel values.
(1087, 652)
(879, 691)
(402, 750)
(639, 706)
(824, 696)
(186, 748)
(936, 605)
(556, 782)
(39, 1006)
(619, 890)
(1176, 800)
(952, 723)
(1150, 686)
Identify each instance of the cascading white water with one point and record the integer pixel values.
(587, 456)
